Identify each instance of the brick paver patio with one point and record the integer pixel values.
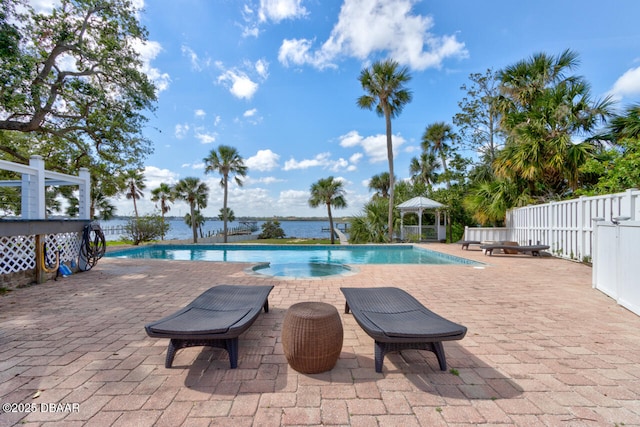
(542, 348)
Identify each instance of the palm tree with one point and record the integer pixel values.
(543, 110)
(626, 126)
(199, 221)
(489, 201)
(434, 140)
(384, 84)
(423, 169)
(195, 192)
(226, 161)
(163, 194)
(369, 226)
(329, 192)
(228, 213)
(134, 182)
(101, 203)
(381, 184)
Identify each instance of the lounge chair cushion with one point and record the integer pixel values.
(397, 321)
(216, 318)
(196, 321)
(409, 323)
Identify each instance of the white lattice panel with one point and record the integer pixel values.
(67, 243)
(18, 254)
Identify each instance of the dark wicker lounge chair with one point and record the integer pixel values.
(397, 321)
(533, 249)
(465, 243)
(216, 319)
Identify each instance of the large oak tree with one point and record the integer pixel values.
(72, 83)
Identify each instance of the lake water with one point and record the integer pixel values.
(179, 230)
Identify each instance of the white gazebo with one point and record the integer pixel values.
(418, 205)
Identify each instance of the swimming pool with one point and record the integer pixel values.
(294, 260)
(281, 254)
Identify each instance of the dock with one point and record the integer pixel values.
(343, 239)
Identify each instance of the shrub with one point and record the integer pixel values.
(145, 229)
(271, 230)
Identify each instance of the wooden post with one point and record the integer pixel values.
(41, 275)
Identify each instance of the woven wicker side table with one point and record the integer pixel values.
(312, 337)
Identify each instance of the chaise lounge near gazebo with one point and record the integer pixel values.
(431, 232)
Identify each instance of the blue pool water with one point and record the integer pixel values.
(290, 254)
(301, 269)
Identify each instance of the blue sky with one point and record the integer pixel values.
(278, 80)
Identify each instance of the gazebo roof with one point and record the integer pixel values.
(419, 203)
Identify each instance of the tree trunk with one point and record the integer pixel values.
(387, 116)
(331, 231)
(224, 209)
(162, 212)
(135, 205)
(193, 223)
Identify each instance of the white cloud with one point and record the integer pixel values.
(339, 164)
(278, 10)
(200, 113)
(250, 113)
(251, 31)
(412, 149)
(248, 201)
(181, 130)
(293, 199)
(321, 159)
(264, 160)
(262, 68)
(148, 51)
(355, 158)
(196, 63)
(350, 139)
(240, 85)
(263, 180)
(627, 85)
(298, 52)
(375, 147)
(217, 120)
(251, 28)
(365, 27)
(155, 176)
(205, 137)
(270, 180)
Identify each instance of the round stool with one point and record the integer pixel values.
(312, 337)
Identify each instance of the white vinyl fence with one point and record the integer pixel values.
(615, 268)
(603, 230)
(566, 226)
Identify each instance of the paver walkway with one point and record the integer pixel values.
(542, 348)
